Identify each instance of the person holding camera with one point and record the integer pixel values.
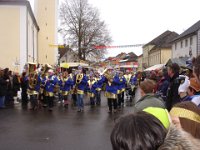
(172, 92)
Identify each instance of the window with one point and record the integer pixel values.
(175, 46)
(191, 41)
(186, 42)
(181, 44)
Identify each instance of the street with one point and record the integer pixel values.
(58, 130)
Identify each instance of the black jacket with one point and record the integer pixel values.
(3, 87)
(172, 93)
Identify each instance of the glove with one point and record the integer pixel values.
(184, 86)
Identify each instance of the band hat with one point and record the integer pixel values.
(80, 67)
(161, 114)
(194, 84)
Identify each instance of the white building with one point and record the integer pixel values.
(187, 44)
(19, 34)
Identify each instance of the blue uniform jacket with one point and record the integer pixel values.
(114, 85)
(133, 80)
(82, 85)
(50, 84)
(122, 83)
(67, 84)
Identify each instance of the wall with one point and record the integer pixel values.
(154, 57)
(140, 68)
(165, 55)
(46, 16)
(198, 42)
(32, 41)
(184, 51)
(145, 59)
(10, 36)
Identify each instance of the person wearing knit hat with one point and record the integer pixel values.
(187, 116)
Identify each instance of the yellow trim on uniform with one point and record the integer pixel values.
(98, 89)
(31, 92)
(110, 95)
(80, 92)
(90, 94)
(64, 93)
(184, 113)
(50, 94)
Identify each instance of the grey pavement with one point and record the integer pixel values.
(62, 129)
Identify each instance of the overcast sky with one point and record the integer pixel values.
(139, 21)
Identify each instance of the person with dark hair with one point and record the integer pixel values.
(150, 129)
(148, 98)
(16, 86)
(3, 87)
(138, 131)
(24, 87)
(172, 92)
(163, 84)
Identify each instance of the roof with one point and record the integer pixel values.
(155, 67)
(191, 30)
(140, 56)
(21, 2)
(180, 61)
(163, 40)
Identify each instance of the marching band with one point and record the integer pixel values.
(44, 84)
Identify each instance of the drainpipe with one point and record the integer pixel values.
(160, 56)
(26, 34)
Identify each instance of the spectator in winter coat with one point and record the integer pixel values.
(172, 92)
(3, 87)
(16, 86)
(148, 98)
(163, 84)
(24, 87)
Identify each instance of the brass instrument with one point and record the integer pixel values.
(45, 69)
(108, 75)
(33, 78)
(79, 78)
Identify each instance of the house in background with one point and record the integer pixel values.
(159, 50)
(129, 59)
(68, 55)
(187, 44)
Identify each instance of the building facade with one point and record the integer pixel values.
(158, 51)
(19, 32)
(188, 43)
(139, 59)
(46, 12)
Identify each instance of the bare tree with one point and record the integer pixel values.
(82, 27)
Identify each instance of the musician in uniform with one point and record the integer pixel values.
(99, 85)
(121, 89)
(33, 90)
(49, 89)
(111, 90)
(66, 82)
(81, 83)
(92, 85)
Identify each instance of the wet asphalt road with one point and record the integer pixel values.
(58, 130)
